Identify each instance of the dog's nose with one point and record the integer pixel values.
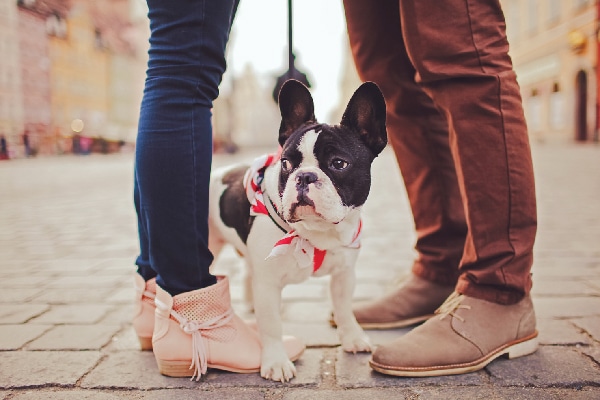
(305, 178)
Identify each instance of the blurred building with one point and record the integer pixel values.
(79, 74)
(11, 98)
(554, 47)
(244, 114)
(349, 83)
(70, 67)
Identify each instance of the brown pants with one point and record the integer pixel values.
(456, 124)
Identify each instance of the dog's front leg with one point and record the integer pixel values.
(351, 335)
(275, 363)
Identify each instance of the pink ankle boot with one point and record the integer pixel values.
(143, 319)
(197, 330)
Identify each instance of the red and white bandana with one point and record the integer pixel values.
(304, 252)
(253, 181)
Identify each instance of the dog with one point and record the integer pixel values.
(297, 214)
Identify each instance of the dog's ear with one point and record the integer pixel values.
(365, 113)
(296, 106)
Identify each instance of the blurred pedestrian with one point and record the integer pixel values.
(456, 125)
(3, 148)
(26, 144)
(194, 323)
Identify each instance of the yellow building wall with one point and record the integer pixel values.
(11, 102)
(80, 76)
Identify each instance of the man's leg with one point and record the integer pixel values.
(465, 68)
(418, 134)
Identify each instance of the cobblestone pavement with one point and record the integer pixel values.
(68, 241)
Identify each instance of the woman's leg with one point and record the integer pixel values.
(194, 323)
(174, 144)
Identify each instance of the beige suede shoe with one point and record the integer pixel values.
(143, 314)
(198, 330)
(412, 303)
(466, 336)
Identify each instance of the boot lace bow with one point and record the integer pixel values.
(450, 306)
(199, 349)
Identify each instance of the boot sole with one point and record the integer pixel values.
(403, 323)
(518, 348)
(181, 369)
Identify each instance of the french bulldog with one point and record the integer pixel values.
(297, 213)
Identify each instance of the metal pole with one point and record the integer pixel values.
(290, 51)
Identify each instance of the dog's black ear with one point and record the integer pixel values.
(365, 113)
(296, 106)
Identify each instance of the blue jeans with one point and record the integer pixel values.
(174, 143)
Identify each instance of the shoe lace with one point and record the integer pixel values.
(195, 328)
(450, 306)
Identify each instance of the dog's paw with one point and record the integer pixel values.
(280, 371)
(356, 343)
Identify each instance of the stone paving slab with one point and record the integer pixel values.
(26, 369)
(558, 307)
(13, 337)
(138, 370)
(18, 295)
(73, 295)
(548, 367)
(75, 337)
(593, 353)
(561, 332)
(565, 288)
(590, 326)
(20, 313)
(73, 314)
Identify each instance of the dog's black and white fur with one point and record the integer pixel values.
(317, 189)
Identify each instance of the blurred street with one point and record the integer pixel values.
(68, 241)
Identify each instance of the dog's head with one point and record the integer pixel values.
(326, 169)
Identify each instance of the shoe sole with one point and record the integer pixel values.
(518, 348)
(181, 369)
(389, 325)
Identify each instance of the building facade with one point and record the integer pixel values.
(70, 68)
(11, 98)
(554, 48)
(553, 44)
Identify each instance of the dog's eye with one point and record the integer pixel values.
(286, 165)
(339, 164)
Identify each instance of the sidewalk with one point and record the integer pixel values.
(68, 240)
